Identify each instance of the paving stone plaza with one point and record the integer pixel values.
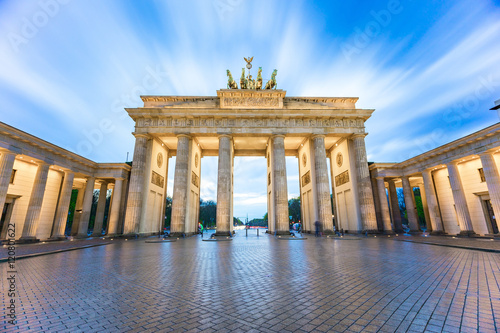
(260, 284)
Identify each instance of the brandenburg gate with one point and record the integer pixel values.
(253, 121)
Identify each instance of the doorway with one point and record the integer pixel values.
(490, 216)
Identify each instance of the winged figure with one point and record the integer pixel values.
(249, 60)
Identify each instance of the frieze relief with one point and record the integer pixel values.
(251, 122)
(251, 101)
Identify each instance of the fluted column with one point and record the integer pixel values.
(136, 187)
(223, 219)
(101, 207)
(432, 204)
(88, 197)
(280, 185)
(365, 194)
(35, 203)
(492, 177)
(63, 206)
(457, 189)
(181, 183)
(384, 208)
(425, 207)
(78, 212)
(322, 184)
(396, 212)
(7, 159)
(115, 207)
(410, 206)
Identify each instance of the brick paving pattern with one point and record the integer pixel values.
(259, 285)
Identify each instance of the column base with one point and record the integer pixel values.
(328, 232)
(467, 233)
(97, 235)
(27, 240)
(437, 233)
(389, 232)
(82, 236)
(371, 232)
(282, 232)
(222, 233)
(57, 238)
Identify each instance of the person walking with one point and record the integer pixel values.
(317, 226)
(200, 228)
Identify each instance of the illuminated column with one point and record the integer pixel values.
(463, 214)
(88, 197)
(115, 207)
(396, 213)
(322, 184)
(490, 171)
(432, 204)
(63, 206)
(410, 206)
(280, 186)
(365, 194)
(7, 159)
(101, 206)
(384, 208)
(136, 187)
(223, 218)
(35, 203)
(181, 183)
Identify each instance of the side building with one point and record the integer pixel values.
(458, 187)
(37, 180)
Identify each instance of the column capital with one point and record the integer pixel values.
(141, 135)
(318, 136)
(359, 135)
(486, 153)
(8, 152)
(183, 135)
(223, 135)
(277, 136)
(119, 178)
(380, 177)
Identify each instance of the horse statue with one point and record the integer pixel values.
(272, 83)
(231, 84)
(251, 82)
(243, 80)
(259, 79)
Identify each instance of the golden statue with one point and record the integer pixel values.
(272, 83)
(243, 80)
(231, 84)
(258, 85)
(249, 60)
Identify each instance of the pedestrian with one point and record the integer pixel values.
(317, 226)
(200, 228)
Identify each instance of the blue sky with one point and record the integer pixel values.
(431, 69)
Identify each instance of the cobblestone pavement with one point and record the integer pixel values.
(258, 284)
(43, 247)
(488, 243)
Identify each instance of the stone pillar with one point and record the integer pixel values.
(463, 214)
(432, 204)
(384, 208)
(365, 194)
(280, 185)
(181, 183)
(425, 207)
(410, 206)
(35, 203)
(78, 212)
(492, 177)
(88, 197)
(101, 207)
(63, 207)
(224, 219)
(114, 214)
(322, 184)
(7, 159)
(396, 213)
(136, 187)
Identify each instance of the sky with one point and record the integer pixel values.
(430, 69)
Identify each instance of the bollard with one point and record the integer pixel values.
(258, 232)
(246, 232)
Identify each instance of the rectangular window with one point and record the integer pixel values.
(481, 175)
(13, 174)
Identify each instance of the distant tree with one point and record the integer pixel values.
(402, 206)
(257, 223)
(208, 213)
(420, 206)
(71, 211)
(265, 217)
(294, 209)
(168, 211)
(237, 221)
